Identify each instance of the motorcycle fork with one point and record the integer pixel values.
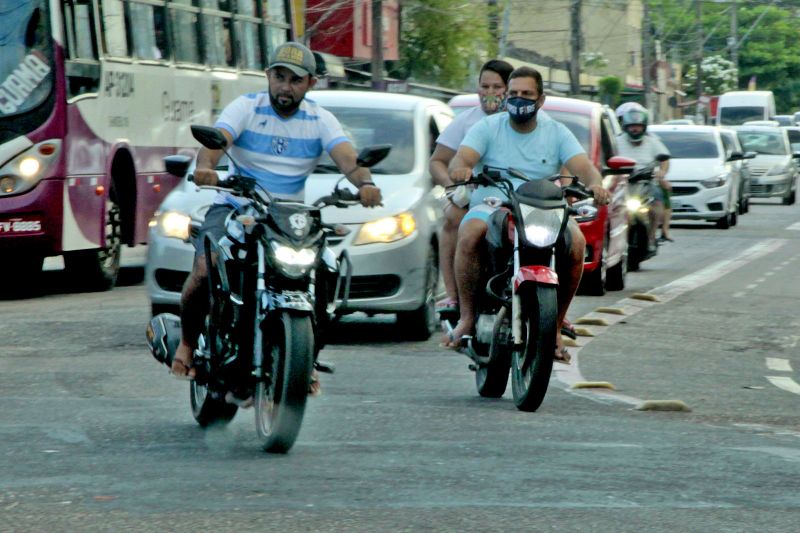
(259, 314)
(516, 300)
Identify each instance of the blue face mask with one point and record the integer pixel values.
(521, 109)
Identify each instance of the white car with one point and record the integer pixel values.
(705, 181)
(393, 248)
(774, 169)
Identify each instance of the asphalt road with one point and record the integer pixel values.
(95, 436)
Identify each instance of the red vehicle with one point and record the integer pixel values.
(596, 128)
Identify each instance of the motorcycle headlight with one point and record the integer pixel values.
(293, 263)
(716, 181)
(388, 229)
(586, 210)
(541, 225)
(633, 204)
(173, 224)
(777, 171)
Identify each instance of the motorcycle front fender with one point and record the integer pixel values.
(295, 301)
(537, 274)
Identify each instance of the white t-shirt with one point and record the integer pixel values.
(279, 152)
(453, 134)
(644, 152)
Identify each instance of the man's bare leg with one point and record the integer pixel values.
(569, 277)
(665, 224)
(656, 218)
(194, 308)
(468, 271)
(447, 247)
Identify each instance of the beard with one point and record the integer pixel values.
(286, 109)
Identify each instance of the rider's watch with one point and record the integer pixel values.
(366, 183)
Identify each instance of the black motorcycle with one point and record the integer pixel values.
(641, 218)
(517, 312)
(272, 287)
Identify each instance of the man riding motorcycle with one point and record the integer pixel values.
(276, 137)
(635, 143)
(537, 146)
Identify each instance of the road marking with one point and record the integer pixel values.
(571, 374)
(779, 365)
(752, 286)
(761, 280)
(739, 294)
(795, 226)
(785, 383)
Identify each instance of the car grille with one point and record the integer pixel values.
(362, 287)
(683, 209)
(171, 280)
(756, 172)
(684, 191)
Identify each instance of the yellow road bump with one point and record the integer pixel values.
(663, 405)
(610, 310)
(584, 332)
(645, 296)
(593, 385)
(591, 321)
(569, 342)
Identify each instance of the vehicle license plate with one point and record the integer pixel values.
(20, 226)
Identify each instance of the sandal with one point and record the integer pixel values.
(562, 356)
(448, 304)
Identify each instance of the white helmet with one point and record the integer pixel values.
(627, 106)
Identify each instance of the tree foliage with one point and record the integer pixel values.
(442, 41)
(719, 76)
(609, 88)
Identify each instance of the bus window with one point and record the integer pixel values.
(248, 39)
(277, 26)
(184, 21)
(217, 33)
(115, 41)
(79, 30)
(146, 24)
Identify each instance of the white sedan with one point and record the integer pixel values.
(393, 248)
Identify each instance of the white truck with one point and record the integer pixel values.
(737, 107)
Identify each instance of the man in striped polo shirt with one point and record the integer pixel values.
(277, 137)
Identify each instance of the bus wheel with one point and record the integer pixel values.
(97, 270)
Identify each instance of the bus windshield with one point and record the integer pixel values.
(26, 66)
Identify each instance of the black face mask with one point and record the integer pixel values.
(284, 109)
(521, 109)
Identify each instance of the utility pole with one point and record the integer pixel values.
(576, 42)
(699, 74)
(734, 46)
(377, 44)
(646, 63)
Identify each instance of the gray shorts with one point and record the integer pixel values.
(213, 226)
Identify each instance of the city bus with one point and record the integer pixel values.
(93, 94)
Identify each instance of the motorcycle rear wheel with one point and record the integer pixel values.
(531, 366)
(280, 397)
(491, 379)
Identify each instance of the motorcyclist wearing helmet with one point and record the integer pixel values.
(635, 143)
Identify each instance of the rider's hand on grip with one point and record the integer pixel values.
(460, 174)
(205, 176)
(601, 195)
(369, 195)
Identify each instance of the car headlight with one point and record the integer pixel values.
(777, 171)
(542, 226)
(586, 210)
(716, 181)
(173, 224)
(27, 169)
(388, 229)
(292, 262)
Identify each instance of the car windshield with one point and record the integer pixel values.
(365, 127)
(763, 142)
(731, 116)
(577, 123)
(26, 70)
(689, 145)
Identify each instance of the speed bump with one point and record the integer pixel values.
(663, 405)
(584, 332)
(645, 296)
(593, 385)
(610, 310)
(569, 342)
(592, 321)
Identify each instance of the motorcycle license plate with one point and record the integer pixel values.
(20, 225)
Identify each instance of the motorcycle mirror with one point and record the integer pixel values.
(211, 138)
(177, 165)
(662, 157)
(514, 173)
(618, 162)
(372, 155)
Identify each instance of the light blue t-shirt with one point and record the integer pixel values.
(538, 154)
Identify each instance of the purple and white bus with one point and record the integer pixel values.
(93, 94)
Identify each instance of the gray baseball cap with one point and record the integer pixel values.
(294, 56)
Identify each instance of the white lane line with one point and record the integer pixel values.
(752, 286)
(739, 294)
(795, 226)
(785, 383)
(761, 280)
(778, 364)
(770, 273)
(571, 374)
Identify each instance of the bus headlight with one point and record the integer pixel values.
(173, 224)
(29, 167)
(388, 229)
(23, 172)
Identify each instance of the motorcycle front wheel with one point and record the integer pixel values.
(531, 365)
(280, 396)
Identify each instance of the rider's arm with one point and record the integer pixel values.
(345, 157)
(579, 165)
(207, 160)
(463, 162)
(442, 155)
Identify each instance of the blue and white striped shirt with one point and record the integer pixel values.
(279, 152)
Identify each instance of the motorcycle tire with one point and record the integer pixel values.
(208, 410)
(637, 247)
(491, 379)
(531, 366)
(280, 397)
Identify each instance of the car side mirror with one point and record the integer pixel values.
(177, 165)
(749, 155)
(211, 138)
(618, 164)
(372, 155)
(735, 156)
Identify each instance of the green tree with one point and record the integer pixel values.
(442, 41)
(609, 88)
(719, 76)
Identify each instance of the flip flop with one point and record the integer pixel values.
(562, 356)
(446, 305)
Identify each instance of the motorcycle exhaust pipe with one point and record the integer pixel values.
(163, 336)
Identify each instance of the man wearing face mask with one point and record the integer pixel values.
(492, 83)
(538, 146)
(277, 137)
